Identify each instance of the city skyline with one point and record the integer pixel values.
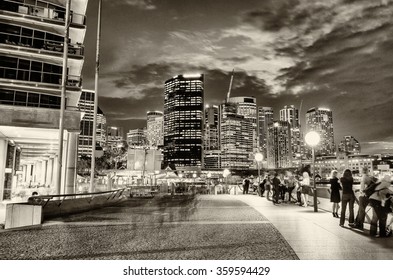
(332, 54)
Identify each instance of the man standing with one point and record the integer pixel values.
(363, 200)
(246, 185)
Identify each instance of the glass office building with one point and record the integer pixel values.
(183, 121)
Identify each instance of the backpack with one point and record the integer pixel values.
(370, 189)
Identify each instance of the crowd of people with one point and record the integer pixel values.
(373, 192)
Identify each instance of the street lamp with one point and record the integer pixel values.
(259, 159)
(225, 174)
(312, 139)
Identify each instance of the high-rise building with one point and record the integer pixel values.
(136, 137)
(31, 66)
(101, 128)
(290, 114)
(349, 145)
(183, 121)
(236, 138)
(247, 107)
(321, 121)
(211, 143)
(114, 137)
(279, 152)
(265, 118)
(86, 105)
(155, 128)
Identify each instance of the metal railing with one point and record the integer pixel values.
(43, 200)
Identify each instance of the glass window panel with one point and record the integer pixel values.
(9, 62)
(39, 34)
(27, 32)
(35, 76)
(6, 97)
(33, 99)
(36, 66)
(24, 64)
(23, 75)
(20, 98)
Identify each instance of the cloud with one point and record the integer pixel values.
(140, 4)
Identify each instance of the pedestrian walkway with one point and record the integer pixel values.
(317, 235)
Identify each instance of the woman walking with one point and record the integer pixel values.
(335, 188)
(348, 198)
(305, 183)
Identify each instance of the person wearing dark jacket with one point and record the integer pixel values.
(276, 189)
(348, 197)
(335, 197)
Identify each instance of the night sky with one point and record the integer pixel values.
(335, 54)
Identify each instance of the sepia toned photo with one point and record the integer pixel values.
(196, 130)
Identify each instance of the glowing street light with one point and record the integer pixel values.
(259, 158)
(225, 174)
(312, 139)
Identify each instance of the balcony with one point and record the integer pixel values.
(50, 12)
(38, 77)
(40, 44)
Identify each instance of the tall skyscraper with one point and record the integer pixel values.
(31, 59)
(265, 118)
(114, 137)
(183, 121)
(236, 138)
(101, 128)
(155, 128)
(279, 152)
(321, 121)
(247, 107)
(349, 145)
(86, 105)
(211, 143)
(290, 114)
(136, 137)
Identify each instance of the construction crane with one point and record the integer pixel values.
(230, 86)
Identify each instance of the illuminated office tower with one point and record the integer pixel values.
(31, 64)
(101, 128)
(211, 143)
(321, 121)
(349, 145)
(291, 115)
(247, 107)
(236, 138)
(265, 118)
(155, 128)
(136, 137)
(114, 137)
(183, 121)
(86, 105)
(279, 154)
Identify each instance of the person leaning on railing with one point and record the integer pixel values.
(378, 201)
(363, 199)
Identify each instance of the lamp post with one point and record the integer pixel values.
(312, 139)
(225, 174)
(259, 159)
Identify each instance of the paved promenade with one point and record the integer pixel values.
(318, 236)
(208, 227)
